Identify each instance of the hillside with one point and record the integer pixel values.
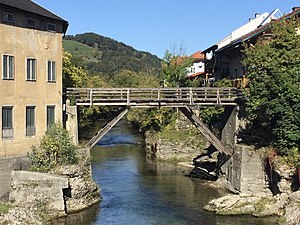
(103, 55)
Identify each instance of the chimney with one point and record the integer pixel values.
(251, 19)
(257, 15)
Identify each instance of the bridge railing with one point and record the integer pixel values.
(154, 96)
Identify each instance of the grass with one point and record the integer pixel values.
(4, 208)
(78, 49)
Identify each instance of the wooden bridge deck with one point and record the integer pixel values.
(154, 97)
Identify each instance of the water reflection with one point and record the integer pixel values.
(136, 190)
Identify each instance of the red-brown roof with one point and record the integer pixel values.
(198, 55)
(195, 74)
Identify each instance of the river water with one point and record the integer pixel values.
(140, 191)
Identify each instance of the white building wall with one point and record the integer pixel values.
(196, 68)
(245, 29)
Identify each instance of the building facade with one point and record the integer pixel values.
(226, 56)
(31, 74)
(198, 67)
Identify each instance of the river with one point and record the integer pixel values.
(140, 191)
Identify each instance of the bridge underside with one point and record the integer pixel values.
(187, 111)
(182, 98)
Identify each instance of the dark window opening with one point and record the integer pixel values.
(8, 17)
(31, 22)
(7, 123)
(30, 121)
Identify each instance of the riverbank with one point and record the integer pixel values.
(38, 198)
(179, 144)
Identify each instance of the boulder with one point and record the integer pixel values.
(292, 209)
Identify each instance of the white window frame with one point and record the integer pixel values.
(31, 72)
(51, 71)
(10, 75)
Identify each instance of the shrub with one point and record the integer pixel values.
(56, 148)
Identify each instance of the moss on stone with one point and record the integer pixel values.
(261, 205)
(4, 208)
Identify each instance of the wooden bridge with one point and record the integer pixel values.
(182, 98)
(154, 97)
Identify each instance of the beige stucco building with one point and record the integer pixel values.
(31, 74)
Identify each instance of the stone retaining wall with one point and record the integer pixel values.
(7, 165)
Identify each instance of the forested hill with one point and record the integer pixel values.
(104, 55)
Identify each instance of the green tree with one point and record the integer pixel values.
(73, 76)
(273, 98)
(174, 70)
(56, 148)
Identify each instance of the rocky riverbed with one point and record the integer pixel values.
(182, 143)
(285, 206)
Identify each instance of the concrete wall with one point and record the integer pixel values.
(244, 171)
(19, 93)
(231, 126)
(72, 121)
(7, 165)
(32, 188)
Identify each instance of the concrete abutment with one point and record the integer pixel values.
(244, 172)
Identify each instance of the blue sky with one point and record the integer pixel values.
(159, 25)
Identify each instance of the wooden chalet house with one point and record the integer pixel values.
(223, 60)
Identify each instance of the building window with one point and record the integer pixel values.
(31, 70)
(51, 70)
(50, 115)
(30, 22)
(51, 27)
(30, 121)
(8, 65)
(8, 17)
(7, 123)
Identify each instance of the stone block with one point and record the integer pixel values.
(38, 188)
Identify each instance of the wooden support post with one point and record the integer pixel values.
(107, 127)
(128, 97)
(204, 130)
(91, 97)
(191, 96)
